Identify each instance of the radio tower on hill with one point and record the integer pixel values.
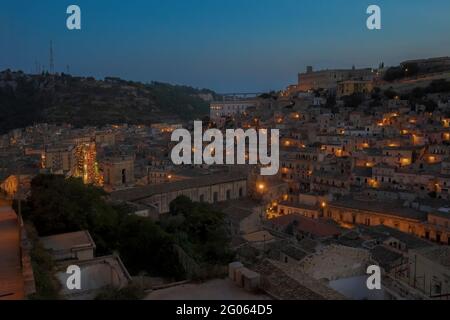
(52, 63)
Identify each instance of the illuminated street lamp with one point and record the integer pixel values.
(261, 187)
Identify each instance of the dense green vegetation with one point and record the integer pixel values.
(396, 73)
(47, 287)
(57, 205)
(26, 100)
(180, 100)
(199, 230)
(418, 95)
(22, 106)
(353, 101)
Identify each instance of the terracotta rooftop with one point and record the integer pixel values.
(315, 227)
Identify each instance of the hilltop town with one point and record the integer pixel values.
(364, 180)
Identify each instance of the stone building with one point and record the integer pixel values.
(70, 246)
(429, 270)
(329, 79)
(60, 159)
(118, 172)
(244, 216)
(209, 189)
(351, 212)
(221, 109)
(305, 210)
(349, 87)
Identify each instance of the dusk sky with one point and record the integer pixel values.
(225, 45)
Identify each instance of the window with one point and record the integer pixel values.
(124, 176)
(216, 197)
(228, 194)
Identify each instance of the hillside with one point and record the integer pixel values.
(27, 99)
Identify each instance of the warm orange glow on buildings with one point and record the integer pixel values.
(373, 183)
(447, 136)
(405, 161)
(87, 167)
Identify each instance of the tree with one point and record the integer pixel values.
(417, 93)
(181, 206)
(410, 69)
(59, 205)
(430, 106)
(437, 86)
(144, 246)
(331, 101)
(202, 232)
(47, 286)
(376, 93)
(390, 94)
(394, 73)
(353, 101)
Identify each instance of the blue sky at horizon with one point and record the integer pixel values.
(225, 45)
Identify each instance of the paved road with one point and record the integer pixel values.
(11, 280)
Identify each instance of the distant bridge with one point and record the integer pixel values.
(241, 94)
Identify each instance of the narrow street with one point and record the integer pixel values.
(11, 281)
